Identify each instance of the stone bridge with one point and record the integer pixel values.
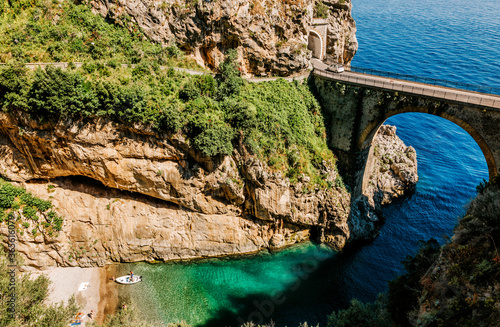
(358, 104)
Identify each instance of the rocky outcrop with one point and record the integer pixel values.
(341, 41)
(393, 175)
(462, 286)
(271, 37)
(150, 197)
(394, 171)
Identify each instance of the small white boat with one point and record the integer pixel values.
(127, 280)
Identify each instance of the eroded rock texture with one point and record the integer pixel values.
(129, 195)
(395, 167)
(341, 41)
(144, 197)
(271, 36)
(393, 175)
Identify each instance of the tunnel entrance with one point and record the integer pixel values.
(315, 44)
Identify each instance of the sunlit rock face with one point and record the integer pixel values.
(271, 36)
(131, 195)
(392, 174)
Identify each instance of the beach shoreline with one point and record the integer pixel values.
(108, 292)
(92, 287)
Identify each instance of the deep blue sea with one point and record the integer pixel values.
(457, 40)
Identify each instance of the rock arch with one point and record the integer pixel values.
(315, 44)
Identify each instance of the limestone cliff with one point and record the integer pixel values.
(341, 41)
(393, 175)
(271, 36)
(149, 197)
(130, 195)
(394, 171)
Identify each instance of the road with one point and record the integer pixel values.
(426, 90)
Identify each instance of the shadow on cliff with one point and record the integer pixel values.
(97, 189)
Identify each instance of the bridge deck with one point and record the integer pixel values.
(432, 91)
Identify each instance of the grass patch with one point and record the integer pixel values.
(46, 31)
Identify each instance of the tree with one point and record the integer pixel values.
(230, 81)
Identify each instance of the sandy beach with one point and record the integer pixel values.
(92, 287)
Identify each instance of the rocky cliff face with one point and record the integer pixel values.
(271, 36)
(393, 175)
(129, 195)
(144, 197)
(341, 41)
(394, 171)
(461, 288)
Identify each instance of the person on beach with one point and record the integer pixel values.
(91, 314)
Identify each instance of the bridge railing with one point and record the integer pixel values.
(485, 100)
(427, 80)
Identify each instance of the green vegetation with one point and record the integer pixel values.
(49, 31)
(27, 210)
(393, 308)
(128, 318)
(458, 291)
(289, 130)
(361, 314)
(280, 122)
(452, 285)
(404, 291)
(30, 296)
(321, 10)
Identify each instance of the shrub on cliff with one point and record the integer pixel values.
(127, 318)
(405, 290)
(26, 209)
(279, 122)
(61, 94)
(452, 285)
(459, 290)
(290, 133)
(210, 133)
(362, 315)
(13, 88)
(230, 81)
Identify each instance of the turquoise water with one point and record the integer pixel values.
(456, 40)
(220, 292)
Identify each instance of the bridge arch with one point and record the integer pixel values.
(357, 104)
(315, 44)
(368, 135)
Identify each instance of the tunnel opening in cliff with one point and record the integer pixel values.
(315, 44)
